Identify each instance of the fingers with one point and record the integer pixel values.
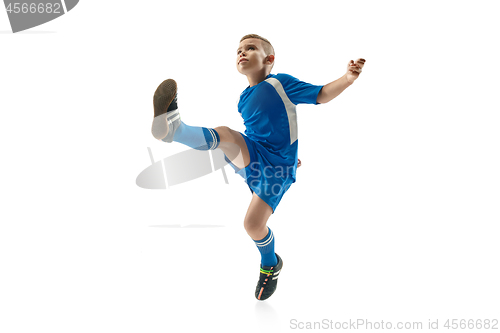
(360, 62)
(355, 68)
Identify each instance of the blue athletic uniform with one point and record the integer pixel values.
(269, 113)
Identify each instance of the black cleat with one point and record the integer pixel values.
(166, 116)
(268, 280)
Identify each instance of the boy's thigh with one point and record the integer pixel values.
(234, 146)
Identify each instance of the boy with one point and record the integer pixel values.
(266, 155)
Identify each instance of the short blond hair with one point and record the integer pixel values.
(268, 48)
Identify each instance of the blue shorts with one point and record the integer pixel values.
(269, 182)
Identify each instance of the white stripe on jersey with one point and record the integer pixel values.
(291, 110)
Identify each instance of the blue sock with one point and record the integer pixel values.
(199, 138)
(266, 248)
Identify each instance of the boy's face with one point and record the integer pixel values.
(251, 57)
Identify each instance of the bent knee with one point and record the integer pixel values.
(254, 226)
(226, 134)
(223, 130)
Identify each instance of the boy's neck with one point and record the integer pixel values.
(256, 78)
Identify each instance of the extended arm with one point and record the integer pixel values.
(333, 89)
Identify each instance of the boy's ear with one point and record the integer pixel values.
(270, 59)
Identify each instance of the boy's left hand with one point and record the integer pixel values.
(354, 69)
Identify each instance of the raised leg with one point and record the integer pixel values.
(168, 127)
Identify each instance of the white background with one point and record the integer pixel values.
(394, 215)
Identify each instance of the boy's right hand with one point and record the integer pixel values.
(354, 69)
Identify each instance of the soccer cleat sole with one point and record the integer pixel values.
(164, 95)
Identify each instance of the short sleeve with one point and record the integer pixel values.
(299, 92)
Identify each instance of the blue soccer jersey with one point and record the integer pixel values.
(269, 113)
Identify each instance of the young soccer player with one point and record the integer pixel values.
(266, 155)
